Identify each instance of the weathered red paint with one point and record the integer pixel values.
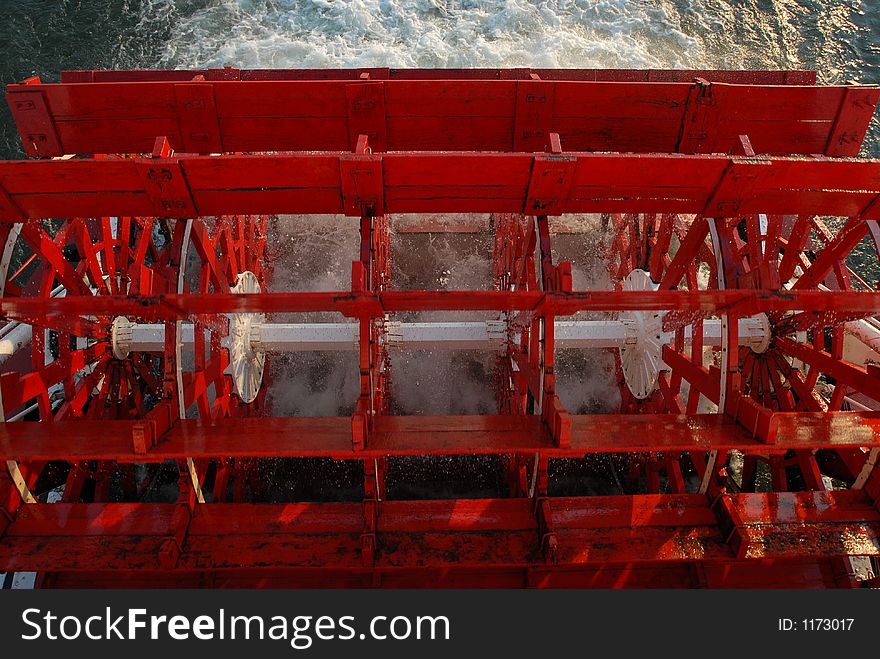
(520, 144)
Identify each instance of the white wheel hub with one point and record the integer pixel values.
(641, 354)
(120, 337)
(245, 363)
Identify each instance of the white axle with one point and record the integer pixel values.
(304, 337)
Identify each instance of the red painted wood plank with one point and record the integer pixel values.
(312, 114)
(805, 507)
(96, 519)
(434, 435)
(421, 534)
(174, 306)
(811, 573)
(811, 539)
(265, 519)
(448, 182)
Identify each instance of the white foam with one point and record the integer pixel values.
(433, 33)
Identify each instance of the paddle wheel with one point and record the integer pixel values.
(741, 248)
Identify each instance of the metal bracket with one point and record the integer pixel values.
(165, 184)
(546, 534)
(368, 536)
(534, 115)
(169, 553)
(735, 187)
(35, 124)
(366, 114)
(733, 529)
(551, 179)
(197, 118)
(558, 420)
(363, 187)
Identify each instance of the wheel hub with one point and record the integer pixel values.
(640, 356)
(245, 363)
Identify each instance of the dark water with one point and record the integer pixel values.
(42, 37)
(45, 37)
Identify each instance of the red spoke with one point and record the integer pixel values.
(686, 254)
(89, 256)
(18, 389)
(808, 399)
(842, 372)
(124, 242)
(835, 251)
(74, 404)
(206, 248)
(227, 245)
(140, 254)
(794, 247)
(42, 244)
(109, 254)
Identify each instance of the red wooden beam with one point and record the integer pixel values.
(205, 116)
(432, 435)
(439, 534)
(783, 573)
(697, 303)
(433, 182)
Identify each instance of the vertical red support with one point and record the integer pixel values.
(534, 114)
(551, 178)
(197, 115)
(166, 184)
(698, 121)
(856, 110)
(34, 121)
(366, 113)
(555, 415)
(363, 191)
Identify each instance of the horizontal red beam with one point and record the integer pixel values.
(699, 303)
(201, 116)
(749, 77)
(418, 182)
(785, 573)
(439, 534)
(434, 435)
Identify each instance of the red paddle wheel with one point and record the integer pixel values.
(141, 314)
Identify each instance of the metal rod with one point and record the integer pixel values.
(488, 335)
